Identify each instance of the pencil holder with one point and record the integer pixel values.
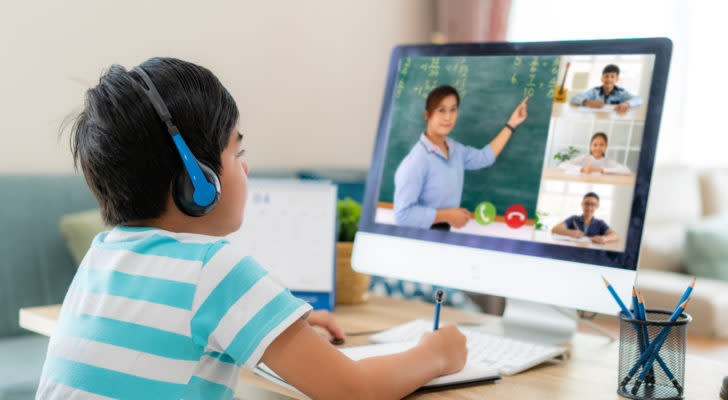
(656, 374)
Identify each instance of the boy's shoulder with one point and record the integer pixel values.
(152, 241)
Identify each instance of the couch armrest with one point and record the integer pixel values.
(708, 304)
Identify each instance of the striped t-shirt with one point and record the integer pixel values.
(153, 314)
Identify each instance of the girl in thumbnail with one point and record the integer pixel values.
(595, 161)
(428, 183)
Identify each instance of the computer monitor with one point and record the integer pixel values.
(573, 165)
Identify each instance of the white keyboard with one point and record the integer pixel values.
(507, 356)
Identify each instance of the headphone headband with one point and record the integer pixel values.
(151, 91)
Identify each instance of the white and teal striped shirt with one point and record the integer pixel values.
(153, 314)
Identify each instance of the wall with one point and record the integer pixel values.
(308, 77)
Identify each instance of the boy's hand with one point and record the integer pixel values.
(448, 345)
(599, 103)
(519, 114)
(575, 233)
(599, 239)
(621, 108)
(326, 320)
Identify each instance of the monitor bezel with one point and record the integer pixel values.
(661, 48)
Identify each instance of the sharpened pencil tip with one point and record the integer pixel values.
(606, 282)
(692, 284)
(634, 292)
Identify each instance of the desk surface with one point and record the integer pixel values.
(565, 110)
(591, 373)
(558, 174)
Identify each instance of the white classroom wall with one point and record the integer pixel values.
(308, 77)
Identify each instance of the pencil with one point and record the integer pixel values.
(616, 297)
(438, 300)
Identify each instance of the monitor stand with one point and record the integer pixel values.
(535, 322)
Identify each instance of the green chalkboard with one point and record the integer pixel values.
(490, 89)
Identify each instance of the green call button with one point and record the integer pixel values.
(485, 213)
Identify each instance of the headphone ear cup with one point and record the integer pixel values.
(183, 191)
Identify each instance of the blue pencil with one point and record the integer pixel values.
(642, 316)
(652, 349)
(687, 293)
(663, 365)
(438, 300)
(640, 331)
(624, 308)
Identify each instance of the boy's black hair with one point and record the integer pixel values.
(123, 148)
(610, 68)
(437, 94)
(591, 194)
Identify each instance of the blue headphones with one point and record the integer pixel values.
(197, 191)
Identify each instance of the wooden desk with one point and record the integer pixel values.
(590, 374)
(558, 174)
(564, 110)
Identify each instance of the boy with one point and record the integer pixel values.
(162, 307)
(608, 93)
(578, 226)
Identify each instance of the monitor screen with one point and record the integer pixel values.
(540, 150)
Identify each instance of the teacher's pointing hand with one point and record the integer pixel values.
(519, 114)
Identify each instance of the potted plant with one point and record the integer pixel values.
(567, 154)
(351, 287)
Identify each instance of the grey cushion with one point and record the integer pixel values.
(22, 361)
(706, 248)
(36, 267)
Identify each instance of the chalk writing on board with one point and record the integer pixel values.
(527, 78)
(429, 71)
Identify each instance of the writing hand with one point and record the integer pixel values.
(622, 108)
(575, 233)
(447, 344)
(519, 114)
(599, 239)
(599, 103)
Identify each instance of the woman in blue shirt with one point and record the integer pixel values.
(428, 184)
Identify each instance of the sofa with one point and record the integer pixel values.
(35, 268)
(686, 236)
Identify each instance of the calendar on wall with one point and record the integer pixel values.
(289, 227)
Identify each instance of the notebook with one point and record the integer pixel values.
(471, 373)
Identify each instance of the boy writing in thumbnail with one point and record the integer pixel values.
(608, 93)
(578, 226)
(162, 306)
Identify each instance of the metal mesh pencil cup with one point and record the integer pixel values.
(664, 377)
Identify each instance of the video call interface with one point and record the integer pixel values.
(536, 148)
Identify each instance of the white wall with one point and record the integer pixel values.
(308, 76)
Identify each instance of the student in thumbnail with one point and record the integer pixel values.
(162, 306)
(578, 226)
(608, 93)
(428, 184)
(596, 161)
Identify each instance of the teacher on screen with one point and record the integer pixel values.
(428, 183)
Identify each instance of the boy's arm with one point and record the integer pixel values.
(307, 361)
(632, 99)
(579, 98)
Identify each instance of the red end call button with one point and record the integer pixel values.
(516, 216)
